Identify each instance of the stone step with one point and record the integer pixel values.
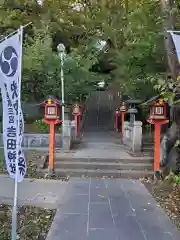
(133, 160)
(148, 149)
(134, 174)
(147, 143)
(147, 139)
(102, 165)
(97, 145)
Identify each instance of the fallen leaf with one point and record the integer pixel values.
(101, 196)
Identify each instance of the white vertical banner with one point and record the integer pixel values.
(176, 40)
(13, 122)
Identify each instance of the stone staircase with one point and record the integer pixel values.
(148, 145)
(100, 160)
(112, 168)
(100, 153)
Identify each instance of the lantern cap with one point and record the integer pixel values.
(76, 105)
(132, 110)
(152, 101)
(161, 101)
(51, 100)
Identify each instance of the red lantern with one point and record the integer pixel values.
(51, 110)
(158, 110)
(76, 110)
(123, 107)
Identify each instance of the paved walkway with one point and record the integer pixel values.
(101, 150)
(96, 150)
(94, 209)
(39, 192)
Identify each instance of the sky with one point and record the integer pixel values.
(40, 1)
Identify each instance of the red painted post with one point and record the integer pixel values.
(51, 117)
(122, 123)
(122, 110)
(157, 135)
(77, 118)
(157, 143)
(116, 122)
(79, 122)
(116, 118)
(158, 118)
(51, 145)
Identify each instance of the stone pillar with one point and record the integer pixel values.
(67, 135)
(126, 124)
(137, 136)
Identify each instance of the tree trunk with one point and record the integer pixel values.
(168, 11)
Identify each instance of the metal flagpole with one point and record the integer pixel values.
(172, 31)
(4, 38)
(14, 210)
(62, 89)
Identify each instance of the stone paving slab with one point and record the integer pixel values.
(69, 226)
(118, 209)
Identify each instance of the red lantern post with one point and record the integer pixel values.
(117, 114)
(51, 117)
(122, 110)
(158, 118)
(77, 116)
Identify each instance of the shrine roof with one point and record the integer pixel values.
(150, 101)
(133, 101)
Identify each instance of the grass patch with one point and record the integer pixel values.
(33, 223)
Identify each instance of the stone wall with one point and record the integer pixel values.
(41, 140)
(38, 141)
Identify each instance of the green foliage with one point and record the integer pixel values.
(135, 52)
(42, 69)
(41, 126)
(177, 179)
(40, 66)
(141, 57)
(172, 177)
